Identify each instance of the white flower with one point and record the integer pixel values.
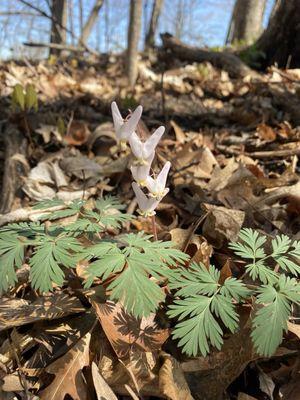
(145, 150)
(146, 204)
(124, 129)
(157, 187)
(140, 173)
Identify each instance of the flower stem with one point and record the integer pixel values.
(154, 227)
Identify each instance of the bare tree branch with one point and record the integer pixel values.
(88, 26)
(44, 14)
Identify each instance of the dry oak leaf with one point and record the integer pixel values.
(127, 333)
(17, 312)
(103, 391)
(67, 371)
(172, 383)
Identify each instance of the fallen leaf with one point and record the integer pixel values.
(222, 224)
(266, 384)
(172, 382)
(77, 133)
(17, 312)
(102, 389)
(126, 333)
(294, 328)
(195, 245)
(225, 272)
(67, 371)
(244, 396)
(179, 134)
(265, 133)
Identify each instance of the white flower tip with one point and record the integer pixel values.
(160, 131)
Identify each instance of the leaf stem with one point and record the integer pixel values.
(154, 230)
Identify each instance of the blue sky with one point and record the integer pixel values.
(204, 22)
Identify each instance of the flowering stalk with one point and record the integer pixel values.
(144, 153)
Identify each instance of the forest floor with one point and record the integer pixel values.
(234, 146)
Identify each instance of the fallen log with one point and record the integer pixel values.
(235, 67)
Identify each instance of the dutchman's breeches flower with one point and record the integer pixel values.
(145, 150)
(144, 153)
(147, 205)
(124, 129)
(157, 186)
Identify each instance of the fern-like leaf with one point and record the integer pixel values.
(134, 259)
(199, 327)
(12, 249)
(270, 321)
(203, 300)
(50, 254)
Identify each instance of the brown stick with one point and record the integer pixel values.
(261, 154)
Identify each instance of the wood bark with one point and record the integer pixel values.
(280, 42)
(150, 37)
(59, 20)
(134, 30)
(246, 21)
(92, 18)
(227, 61)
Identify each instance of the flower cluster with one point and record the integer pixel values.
(144, 153)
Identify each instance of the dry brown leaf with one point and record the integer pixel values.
(225, 272)
(179, 134)
(266, 384)
(244, 396)
(17, 312)
(196, 246)
(220, 177)
(266, 133)
(172, 382)
(67, 371)
(294, 328)
(222, 224)
(127, 333)
(77, 133)
(102, 389)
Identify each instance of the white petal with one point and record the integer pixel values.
(117, 117)
(136, 145)
(151, 184)
(130, 126)
(140, 196)
(162, 176)
(140, 173)
(151, 143)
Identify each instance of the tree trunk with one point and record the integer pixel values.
(280, 42)
(134, 30)
(92, 18)
(150, 37)
(59, 19)
(246, 21)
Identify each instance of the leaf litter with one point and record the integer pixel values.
(234, 147)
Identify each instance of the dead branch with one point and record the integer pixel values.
(224, 60)
(58, 46)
